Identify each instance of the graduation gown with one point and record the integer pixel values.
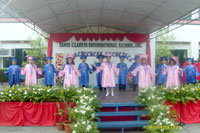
(190, 72)
(13, 73)
(85, 70)
(145, 76)
(173, 74)
(123, 73)
(109, 72)
(49, 71)
(99, 75)
(133, 67)
(161, 77)
(31, 72)
(70, 73)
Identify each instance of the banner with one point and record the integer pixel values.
(92, 48)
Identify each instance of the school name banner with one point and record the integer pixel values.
(92, 47)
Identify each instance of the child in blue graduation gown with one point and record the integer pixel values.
(13, 73)
(123, 73)
(190, 72)
(85, 70)
(162, 78)
(133, 67)
(49, 71)
(99, 75)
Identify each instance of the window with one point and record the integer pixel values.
(18, 53)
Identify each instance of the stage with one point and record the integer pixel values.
(120, 96)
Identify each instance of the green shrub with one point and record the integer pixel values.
(2, 77)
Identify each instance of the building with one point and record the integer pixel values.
(12, 48)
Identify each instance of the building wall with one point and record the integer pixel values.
(12, 44)
(188, 33)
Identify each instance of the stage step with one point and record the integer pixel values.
(122, 113)
(122, 124)
(135, 112)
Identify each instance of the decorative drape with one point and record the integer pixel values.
(29, 114)
(136, 38)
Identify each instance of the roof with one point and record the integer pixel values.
(138, 16)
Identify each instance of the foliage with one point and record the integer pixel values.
(162, 119)
(37, 94)
(84, 113)
(2, 77)
(162, 48)
(38, 46)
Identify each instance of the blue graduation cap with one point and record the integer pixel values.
(83, 56)
(100, 56)
(34, 59)
(190, 59)
(163, 58)
(49, 58)
(137, 57)
(14, 59)
(122, 56)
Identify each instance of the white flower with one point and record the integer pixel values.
(33, 88)
(1, 93)
(73, 131)
(48, 90)
(75, 125)
(143, 99)
(83, 122)
(93, 115)
(10, 91)
(88, 128)
(9, 95)
(149, 98)
(83, 112)
(161, 113)
(153, 96)
(25, 92)
(172, 124)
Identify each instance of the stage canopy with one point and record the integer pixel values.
(130, 16)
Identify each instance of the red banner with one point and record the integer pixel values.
(137, 38)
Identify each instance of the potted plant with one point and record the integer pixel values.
(59, 124)
(68, 119)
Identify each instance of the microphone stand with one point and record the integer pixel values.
(181, 123)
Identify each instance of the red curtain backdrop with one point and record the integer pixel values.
(29, 114)
(62, 37)
(190, 112)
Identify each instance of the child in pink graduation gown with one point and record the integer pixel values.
(145, 73)
(31, 72)
(70, 72)
(173, 73)
(109, 72)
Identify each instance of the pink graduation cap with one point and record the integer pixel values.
(143, 56)
(70, 56)
(29, 57)
(175, 59)
(108, 54)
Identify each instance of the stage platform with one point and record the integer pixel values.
(120, 96)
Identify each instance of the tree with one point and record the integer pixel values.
(162, 45)
(38, 50)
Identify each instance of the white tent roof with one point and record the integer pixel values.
(139, 16)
